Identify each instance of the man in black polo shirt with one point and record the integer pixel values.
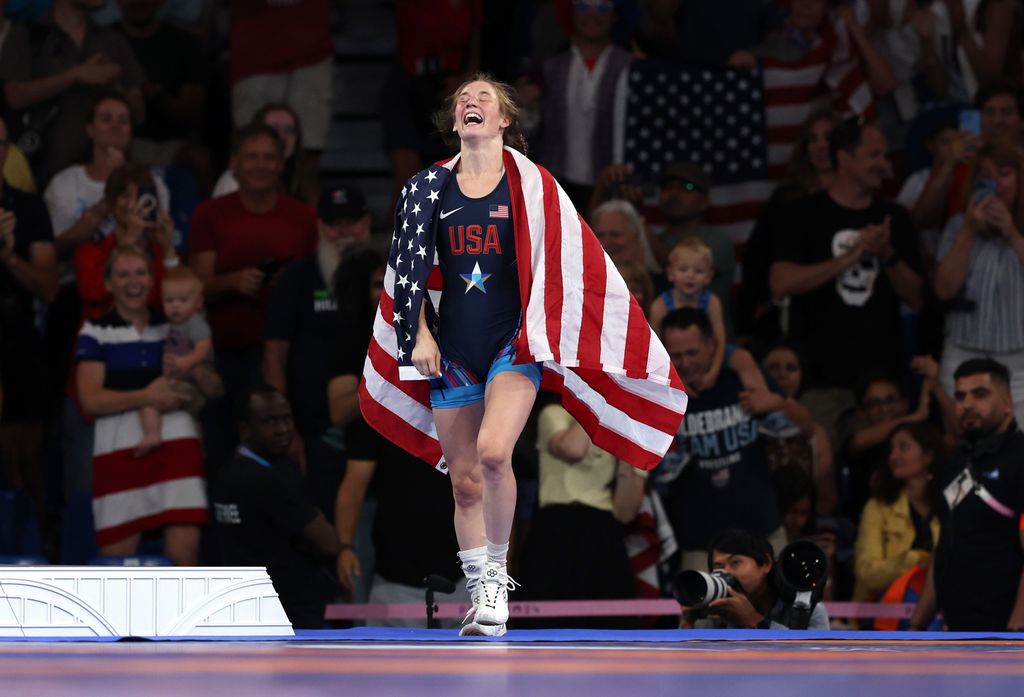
(976, 579)
(716, 474)
(302, 327)
(262, 515)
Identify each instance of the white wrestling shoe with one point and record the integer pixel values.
(495, 583)
(470, 627)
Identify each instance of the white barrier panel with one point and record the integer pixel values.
(154, 601)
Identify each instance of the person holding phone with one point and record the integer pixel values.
(981, 269)
(138, 220)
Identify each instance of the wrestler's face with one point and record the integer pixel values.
(478, 114)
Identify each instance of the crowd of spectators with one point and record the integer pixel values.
(185, 350)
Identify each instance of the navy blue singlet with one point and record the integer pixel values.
(480, 305)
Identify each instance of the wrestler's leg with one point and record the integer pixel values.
(508, 400)
(457, 429)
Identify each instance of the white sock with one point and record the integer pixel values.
(497, 554)
(473, 561)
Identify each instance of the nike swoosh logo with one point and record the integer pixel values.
(445, 214)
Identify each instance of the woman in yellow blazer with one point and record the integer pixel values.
(898, 527)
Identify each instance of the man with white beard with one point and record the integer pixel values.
(302, 326)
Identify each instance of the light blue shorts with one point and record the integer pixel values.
(458, 387)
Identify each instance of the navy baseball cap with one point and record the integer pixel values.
(341, 203)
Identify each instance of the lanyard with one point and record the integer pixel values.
(245, 452)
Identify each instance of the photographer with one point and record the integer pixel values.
(752, 601)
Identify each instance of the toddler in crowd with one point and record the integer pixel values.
(188, 351)
(690, 271)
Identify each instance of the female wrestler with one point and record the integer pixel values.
(480, 400)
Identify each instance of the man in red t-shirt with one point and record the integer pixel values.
(237, 245)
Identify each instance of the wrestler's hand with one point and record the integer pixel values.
(426, 356)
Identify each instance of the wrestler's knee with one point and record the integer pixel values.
(467, 488)
(495, 457)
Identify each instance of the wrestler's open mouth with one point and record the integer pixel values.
(471, 118)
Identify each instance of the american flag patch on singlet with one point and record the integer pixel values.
(498, 211)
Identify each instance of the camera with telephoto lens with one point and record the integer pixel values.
(801, 573)
(697, 589)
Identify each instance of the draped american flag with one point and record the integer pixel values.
(740, 126)
(579, 321)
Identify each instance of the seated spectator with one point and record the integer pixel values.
(262, 515)
(51, 69)
(301, 331)
(174, 91)
(848, 262)
(794, 491)
(981, 269)
(28, 274)
(119, 360)
(749, 559)
(124, 196)
(237, 245)
(298, 70)
(883, 407)
(800, 443)
(575, 549)
(899, 526)
(808, 171)
(294, 181)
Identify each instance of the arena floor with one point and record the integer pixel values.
(551, 662)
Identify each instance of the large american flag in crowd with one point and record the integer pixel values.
(579, 320)
(740, 125)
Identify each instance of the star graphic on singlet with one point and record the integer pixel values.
(475, 279)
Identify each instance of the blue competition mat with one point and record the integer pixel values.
(364, 634)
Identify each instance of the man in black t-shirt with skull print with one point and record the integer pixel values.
(847, 261)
